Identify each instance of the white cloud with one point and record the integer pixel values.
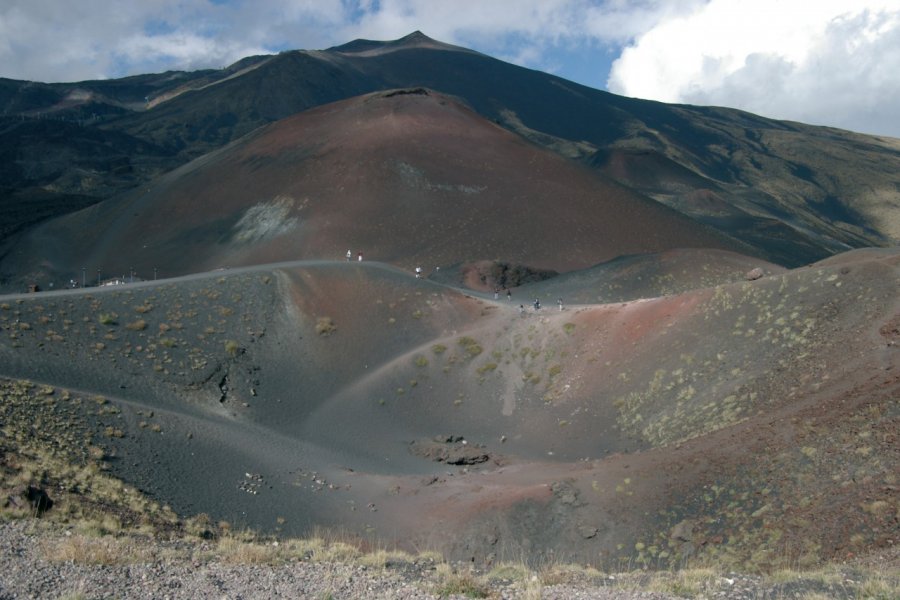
(539, 24)
(824, 62)
(48, 40)
(620, 21)
(828, 61)
(64, 41)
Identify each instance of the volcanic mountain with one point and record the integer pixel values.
(662, 383)
(743, 422)
(409, 177)
(794, 193)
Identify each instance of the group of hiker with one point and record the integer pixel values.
(537, 305)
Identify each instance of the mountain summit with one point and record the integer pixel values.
(416, 39)
(787, 192)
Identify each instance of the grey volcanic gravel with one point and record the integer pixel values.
(26, 573)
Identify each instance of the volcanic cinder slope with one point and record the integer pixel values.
(793, 192)
(410, 177)
(748, 421)
(687, 398)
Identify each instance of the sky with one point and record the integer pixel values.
(823, 62)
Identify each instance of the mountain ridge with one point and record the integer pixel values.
(411, 177)
(793, 192)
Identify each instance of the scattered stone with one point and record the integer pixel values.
(754, 274)
(566, 493)
(683, 531)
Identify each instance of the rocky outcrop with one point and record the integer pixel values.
(28, 497)
(449, 449)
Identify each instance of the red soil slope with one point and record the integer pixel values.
(409, 177)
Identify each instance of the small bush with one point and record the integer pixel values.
(114, 432)
(138, 325)
(325, 326)
(438, 348)
(232, 348)
(491, 366)
(471, 346)
(108, 318)
(462, 585)
(421, 361)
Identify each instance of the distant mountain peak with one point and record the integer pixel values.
(416, 36)
(416, 39)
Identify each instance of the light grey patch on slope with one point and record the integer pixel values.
(266, 220)
(417, 179)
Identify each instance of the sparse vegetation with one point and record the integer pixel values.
(325, 326)
(138, 325)
(232, 348)
(463, 584)
(471, 346)
(487, 367)
(107, 318)
(109, 521)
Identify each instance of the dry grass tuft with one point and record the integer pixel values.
(84, 550)
(138, 325)
(451, 582)
(233, 550)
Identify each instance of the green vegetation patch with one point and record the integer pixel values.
(470, 345)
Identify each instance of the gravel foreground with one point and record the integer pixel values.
(40, 562)
(25, 572)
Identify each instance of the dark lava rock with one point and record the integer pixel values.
(452, 450)
(35, 498)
